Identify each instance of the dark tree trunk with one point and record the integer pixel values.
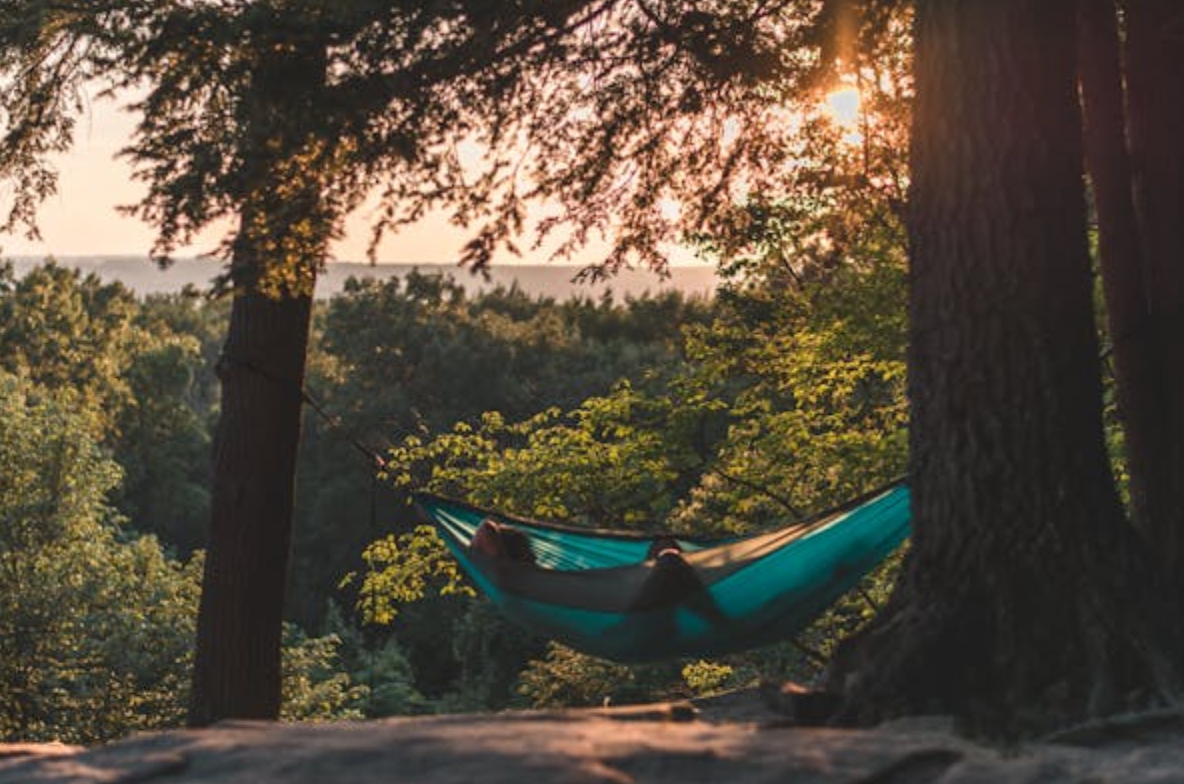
(237, 670)
(1024, 602)
(1141, 398)
(283, 235)
(1155, 96)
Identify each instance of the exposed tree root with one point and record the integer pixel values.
(1016, 654)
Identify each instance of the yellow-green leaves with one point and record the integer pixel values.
(96, 629)
(401, 568)
(314, 687)
(705, 677)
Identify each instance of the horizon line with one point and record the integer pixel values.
(448, 264)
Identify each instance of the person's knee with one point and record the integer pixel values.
(664, 547)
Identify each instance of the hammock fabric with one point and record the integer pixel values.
(595, 590)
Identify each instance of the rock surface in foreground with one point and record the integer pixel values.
(654, 744)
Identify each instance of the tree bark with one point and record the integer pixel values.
(1024, 602)
(1155, 98)
(286, 222)
(237, 668)
(1141, 398)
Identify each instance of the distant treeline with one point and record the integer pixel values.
(539, 280)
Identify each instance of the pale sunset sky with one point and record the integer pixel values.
(81, 219)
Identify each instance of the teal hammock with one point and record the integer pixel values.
(597, 592)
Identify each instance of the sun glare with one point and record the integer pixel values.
(843, 107)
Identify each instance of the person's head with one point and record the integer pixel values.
(487, 540)
(516, 545)
(498, 540)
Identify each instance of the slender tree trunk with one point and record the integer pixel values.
(1024, 602)
(1141, 397)
(1155, 95)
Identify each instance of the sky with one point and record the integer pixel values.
(82, 220)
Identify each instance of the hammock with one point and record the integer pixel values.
(595, 590)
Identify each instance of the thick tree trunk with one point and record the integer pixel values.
(237, 669)
(1141, 398)
(1024, 602)
(1155, 95)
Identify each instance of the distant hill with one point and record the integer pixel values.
(550, 280)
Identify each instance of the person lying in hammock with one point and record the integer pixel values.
(499, 540)
(669, 583)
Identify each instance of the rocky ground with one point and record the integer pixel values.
(732, 739)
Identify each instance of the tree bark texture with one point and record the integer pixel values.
(1014, 611)
(237, 669)
(284, 230)
(1141, 398)
(1155, 98)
